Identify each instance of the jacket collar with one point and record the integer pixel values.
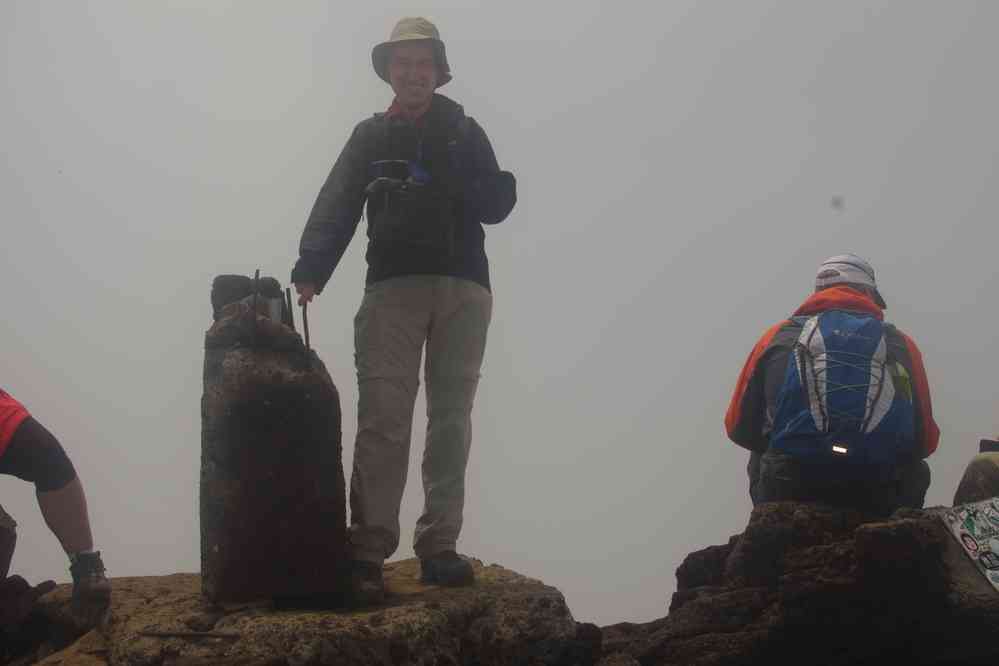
(840, 297)
(395, 110)
(441, 109)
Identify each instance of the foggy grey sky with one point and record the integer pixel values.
(675, 164)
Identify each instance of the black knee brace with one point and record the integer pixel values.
(36, 456)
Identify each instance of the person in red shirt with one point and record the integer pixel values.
(844, 282)
(30, 452)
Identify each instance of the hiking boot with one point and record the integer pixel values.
(367, 588)
(446, 568)
(91, 588)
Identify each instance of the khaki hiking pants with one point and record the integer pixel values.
(397, 318)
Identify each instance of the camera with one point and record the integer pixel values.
(396, 169)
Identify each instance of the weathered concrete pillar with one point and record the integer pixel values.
(273, 516)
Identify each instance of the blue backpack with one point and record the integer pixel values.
(845, 403)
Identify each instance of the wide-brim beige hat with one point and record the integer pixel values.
(412, 29)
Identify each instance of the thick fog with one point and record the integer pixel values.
(680, 167)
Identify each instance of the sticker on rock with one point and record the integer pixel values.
(976, 527)
(969, 542)
(989, 560)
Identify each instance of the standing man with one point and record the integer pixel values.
(834, 403)
(30, 452)
(430, 180)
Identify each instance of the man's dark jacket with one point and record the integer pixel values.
(477, 191)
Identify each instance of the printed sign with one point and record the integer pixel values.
(976, 528)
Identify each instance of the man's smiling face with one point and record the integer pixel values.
(413, 73)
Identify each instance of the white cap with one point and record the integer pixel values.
(848, 269)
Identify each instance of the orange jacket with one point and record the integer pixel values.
(750, 410)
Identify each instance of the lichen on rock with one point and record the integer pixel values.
(504, 618)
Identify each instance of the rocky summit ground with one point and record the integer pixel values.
(505, 618)
(808, 584)
(803, 583)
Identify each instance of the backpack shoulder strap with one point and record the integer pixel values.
(463, 128)
(457, 142)
(382, 124)
(895, 344)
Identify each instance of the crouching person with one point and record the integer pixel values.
(834, 402)
(30, 452)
